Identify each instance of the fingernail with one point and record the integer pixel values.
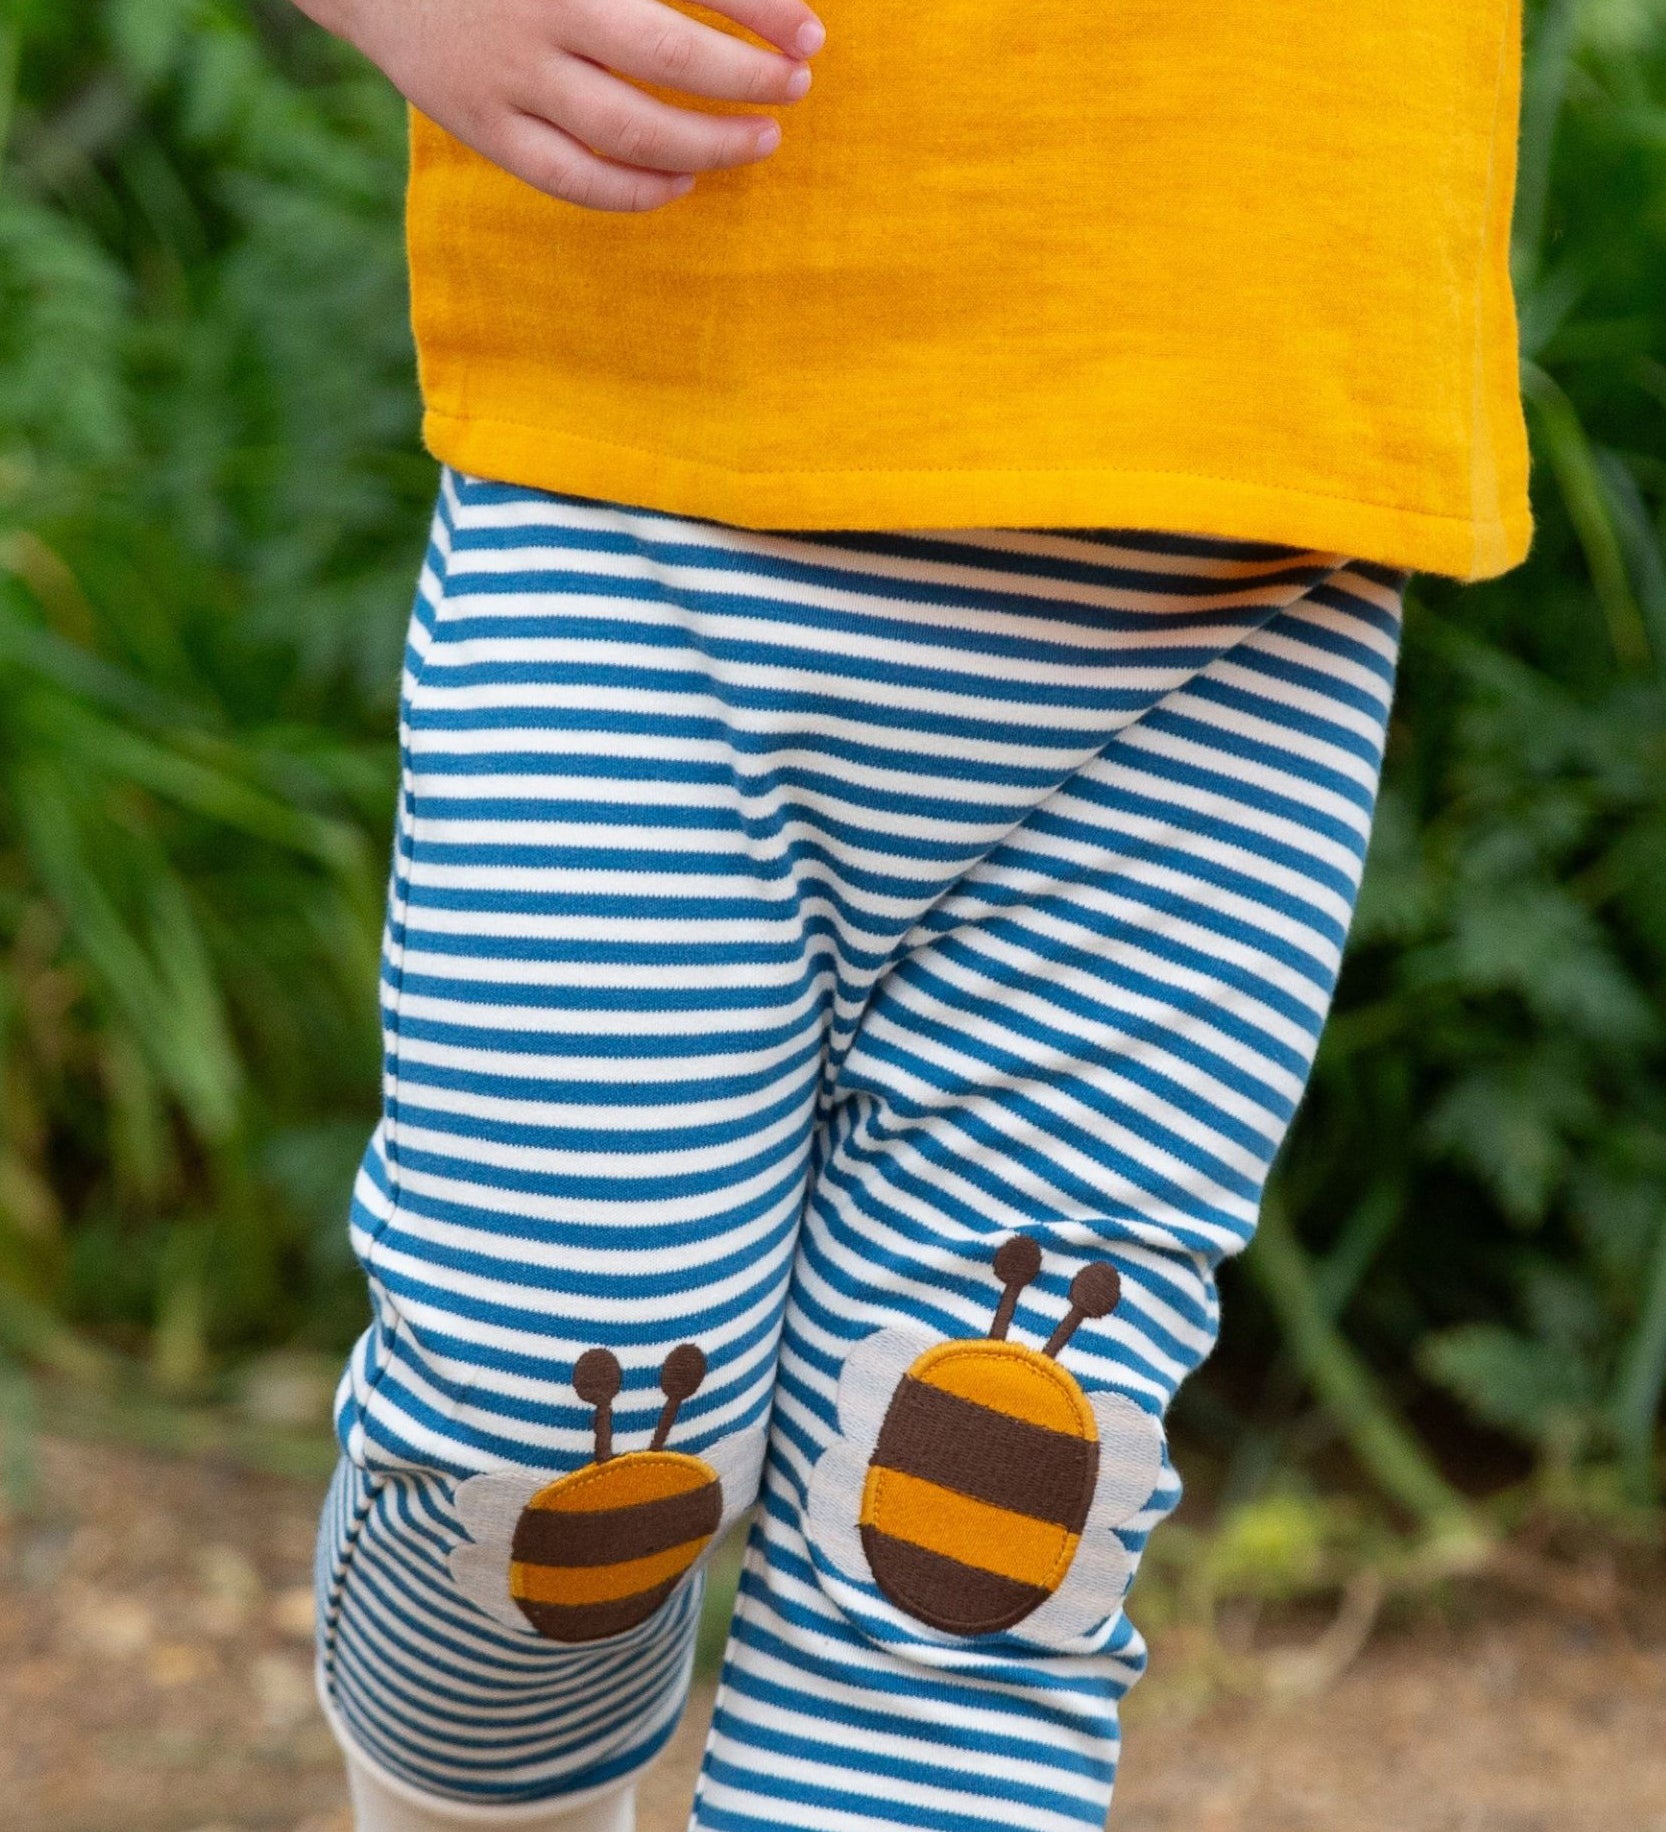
(811, 37)
(798, 83)
(682, 187)
(769, 138)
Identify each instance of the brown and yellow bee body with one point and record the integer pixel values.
(979, 1485)
(591, 1554)
(975, 1485)
(600, 1550)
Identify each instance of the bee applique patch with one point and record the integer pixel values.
(976, 1483)
(589, 1555)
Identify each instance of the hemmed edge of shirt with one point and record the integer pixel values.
(872, 500)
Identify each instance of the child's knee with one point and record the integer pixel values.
(988, 1493)
(443, 1667)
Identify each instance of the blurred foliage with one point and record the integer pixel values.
(1479, 1173)
(211, 505)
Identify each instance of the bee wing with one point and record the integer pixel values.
(1093, 1588)
(738, 1463)
(1130, 1457)
(834, 1506)
(869, 1380)
(1130, 1467)
(481, 1573)
(489, 1507)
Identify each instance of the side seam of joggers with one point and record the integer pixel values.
(842, 995)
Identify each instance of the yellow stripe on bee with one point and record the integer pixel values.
(639, 1475)
(974, 1533)
(1008, 1377)
(601, 1583)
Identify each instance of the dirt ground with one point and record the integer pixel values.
(155, 1677)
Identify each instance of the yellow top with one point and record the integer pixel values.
(1233, 267)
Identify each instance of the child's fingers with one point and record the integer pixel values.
(787, 23)
(657, 44)
(554, 162)
(622, 122)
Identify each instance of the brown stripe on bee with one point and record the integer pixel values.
(608, 1536)
(960, 1599)
(988, 1455)
(596, 1621)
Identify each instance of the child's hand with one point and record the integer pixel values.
(530, 84)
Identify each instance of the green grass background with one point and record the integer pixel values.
(212, 502)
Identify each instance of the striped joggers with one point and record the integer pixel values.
(842, 995)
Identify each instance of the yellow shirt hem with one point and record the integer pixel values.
(1174, 503)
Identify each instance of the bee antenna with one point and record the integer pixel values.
(596, 1380)
(1016, 1264)
(685, 1368)
(1093, 1293)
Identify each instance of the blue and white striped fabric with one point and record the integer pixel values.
(779, 923)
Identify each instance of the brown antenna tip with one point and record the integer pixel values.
(596, 1380)
(1093, 1293)
(1017, 1261)
(596, 1377)
(685, 1368)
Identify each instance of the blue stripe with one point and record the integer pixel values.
(776, 1052)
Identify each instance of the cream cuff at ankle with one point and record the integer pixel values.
(382, 1802)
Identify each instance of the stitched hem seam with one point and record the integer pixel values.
(508, 1813)
(567, 462)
